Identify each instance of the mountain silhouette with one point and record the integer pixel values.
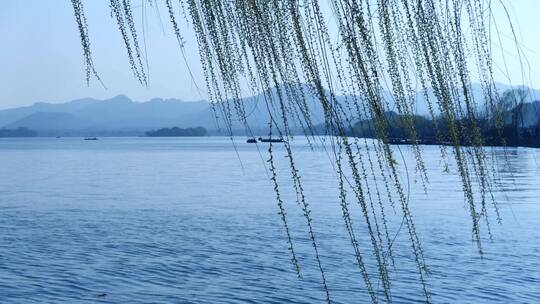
(122, 116)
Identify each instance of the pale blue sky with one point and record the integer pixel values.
(40, 54)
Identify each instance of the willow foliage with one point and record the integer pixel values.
(346, 56)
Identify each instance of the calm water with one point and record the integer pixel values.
(147, 220)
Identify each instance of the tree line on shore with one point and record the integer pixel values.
(516, 124)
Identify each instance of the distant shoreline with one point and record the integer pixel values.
(424, 142)
(241, 138)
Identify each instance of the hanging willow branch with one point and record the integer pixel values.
(82, 25)
(345, 58)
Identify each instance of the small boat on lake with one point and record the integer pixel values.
(90, 138)
(273, 140)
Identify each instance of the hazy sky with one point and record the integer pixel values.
(40, 53)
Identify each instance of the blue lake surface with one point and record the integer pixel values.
(194, 220)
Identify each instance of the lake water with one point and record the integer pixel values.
(192, 220)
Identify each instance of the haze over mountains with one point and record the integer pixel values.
(122, 116)
(118, 115)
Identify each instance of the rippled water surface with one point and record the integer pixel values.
(147, 220)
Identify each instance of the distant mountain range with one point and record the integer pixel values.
(116, 115)
(122, 116)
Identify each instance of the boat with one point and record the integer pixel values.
(251, 141)
(272, 140)
(90, 138)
